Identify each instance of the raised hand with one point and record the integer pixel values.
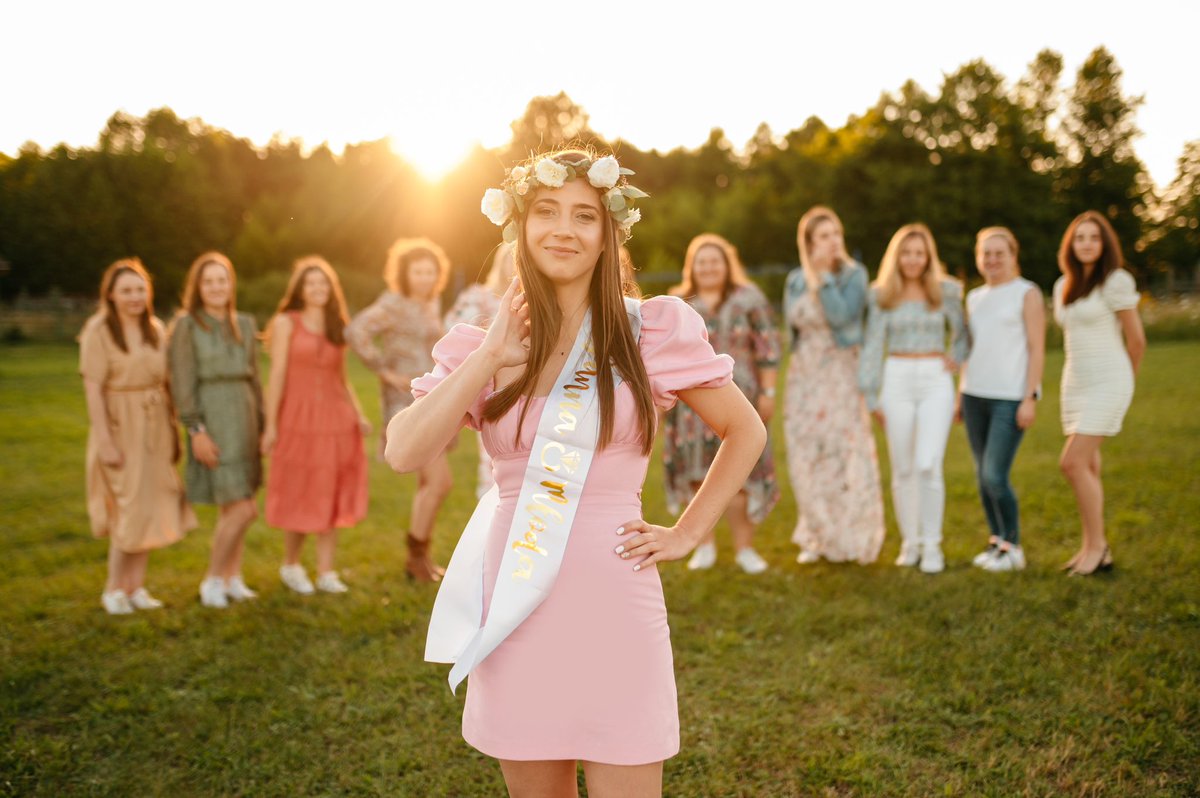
(508, 335)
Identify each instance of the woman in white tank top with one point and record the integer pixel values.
(1095, 302)
(1000, 386)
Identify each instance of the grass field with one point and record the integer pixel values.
(827, 681)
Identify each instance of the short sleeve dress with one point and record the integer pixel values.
(1097, 379)
(318, 475)
(214, 381)
(141, 504)
(559, 686)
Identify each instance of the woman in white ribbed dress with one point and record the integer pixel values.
(1095, 302)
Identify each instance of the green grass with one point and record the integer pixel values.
(828, 681)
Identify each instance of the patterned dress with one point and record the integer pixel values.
(395, 333)
(830, 449)
(744, 328)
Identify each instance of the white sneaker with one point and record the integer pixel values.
(212, 593)
(1012, 559)
(910, 555)
(807, 557)
(142, 600)
(330, 582)
(115, 602)
(703, 558)
(750, 561)
(236, 589)
(932, 559)
(294, 577)
(981, 559)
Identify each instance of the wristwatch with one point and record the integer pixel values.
(197, 429)
(769, 392)
(1036, 395)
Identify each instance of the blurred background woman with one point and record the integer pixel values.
(134, 495)
(477, 304)
(213, 358)
(1095, 303)
(740, 324)
(317, 483)
(830, 448)
(394, 337)
(911, 309)
(1000, 386)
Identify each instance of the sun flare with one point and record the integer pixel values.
(431, 152)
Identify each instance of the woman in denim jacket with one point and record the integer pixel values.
(830, 447)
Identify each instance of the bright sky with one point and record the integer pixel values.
(438, 76)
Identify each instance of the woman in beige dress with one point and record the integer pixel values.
(394, 337)
(134, 495)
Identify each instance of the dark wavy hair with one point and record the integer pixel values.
(1077, 284)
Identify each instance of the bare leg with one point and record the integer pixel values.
(739, 521)
(543, 779)
(326, 544)
(116, 568)
(623, 781)
(1080, 464)
(135, 570)
(435, 481)
(232, 521)
(293, 542)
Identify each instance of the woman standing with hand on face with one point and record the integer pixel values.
(912, 308)
(394, 337)
(135, 498)
(741, 325)
(318, 478)
(1000, 386)
(213, 357)
(1095, 302)
(567, 644)
(830, 447)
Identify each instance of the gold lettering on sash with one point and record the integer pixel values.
(524, 567)
(552, 445)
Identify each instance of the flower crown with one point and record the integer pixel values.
(603, 173)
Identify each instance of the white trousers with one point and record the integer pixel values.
(917, 400)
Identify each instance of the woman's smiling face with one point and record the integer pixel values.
(564, 231)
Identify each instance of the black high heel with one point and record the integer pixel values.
(1105, 565)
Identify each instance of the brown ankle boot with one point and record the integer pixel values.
(420, 566)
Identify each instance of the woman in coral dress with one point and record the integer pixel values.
(134, 495)
(572, 664)
(318, 478)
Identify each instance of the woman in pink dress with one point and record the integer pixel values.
(314, 427)
(586, 675)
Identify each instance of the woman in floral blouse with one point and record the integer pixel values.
(394, 337)
(740, 324)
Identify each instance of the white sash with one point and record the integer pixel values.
(554, 479)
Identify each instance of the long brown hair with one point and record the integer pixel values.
(804, 232)
(612, 339)
(107, 309)
(192, 304)
(735, 274)
(890, 282)
(1077, 284)
(401, 256)
(336, 317)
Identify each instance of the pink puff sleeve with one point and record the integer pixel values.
(448, 354)
(675, 348)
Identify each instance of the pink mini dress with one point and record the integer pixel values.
(589, 674)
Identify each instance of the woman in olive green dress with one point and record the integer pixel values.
(213, 357)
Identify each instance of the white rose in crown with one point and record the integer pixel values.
(497, 206)
(633, 218)
(605, 172)
(518, 174)
(550, 172)
(521, 188)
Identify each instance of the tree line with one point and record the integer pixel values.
(981, 151)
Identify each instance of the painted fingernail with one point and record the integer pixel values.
(619, 549)
(625, 556)
(620, 530)
(637, 567)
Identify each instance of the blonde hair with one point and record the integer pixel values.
(1009, 238)
(612, 339)
(890, 282)
(192, 304)
(735, 274)
(804, 231)
(401, 256)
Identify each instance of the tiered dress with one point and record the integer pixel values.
(318, 475)
(589, 673)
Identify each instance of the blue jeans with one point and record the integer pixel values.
(994, 437)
